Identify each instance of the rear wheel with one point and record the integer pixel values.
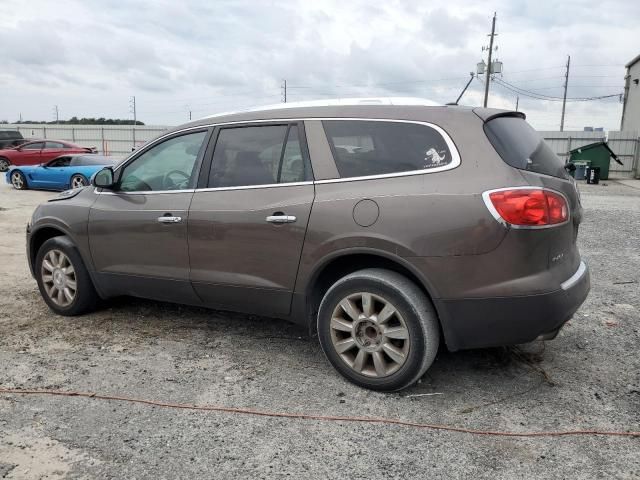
(378, 329)
(78, 181)
(63, 280)
(4, 164)
(18, 181)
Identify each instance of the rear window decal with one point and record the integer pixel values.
(433, 158)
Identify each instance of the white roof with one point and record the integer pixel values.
(413, 101)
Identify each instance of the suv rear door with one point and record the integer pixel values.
(248, 223)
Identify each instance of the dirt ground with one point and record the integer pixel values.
(588, 377)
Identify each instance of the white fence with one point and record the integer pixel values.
(118, 140)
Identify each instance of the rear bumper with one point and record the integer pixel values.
(498, 321)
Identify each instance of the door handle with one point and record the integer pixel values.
(169, 219)
(281, 218)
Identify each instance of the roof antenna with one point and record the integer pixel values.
(463, 90)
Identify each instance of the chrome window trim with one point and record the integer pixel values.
(455, 155)
(146, 192)
(384, 175)
(253, 187)
(213, 189)
(575, 278)
(503, 222)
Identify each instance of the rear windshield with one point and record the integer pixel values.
(520, 146)
(362, 148)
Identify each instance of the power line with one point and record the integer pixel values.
(539, 96)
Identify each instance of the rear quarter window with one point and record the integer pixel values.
(362, 147)
(520, 146)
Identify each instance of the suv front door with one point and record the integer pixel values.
(138, 230)
(247, 227)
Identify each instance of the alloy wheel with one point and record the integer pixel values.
(17, 180)
(77, 182)
(369, 334)
(59, 278)
(4, 165)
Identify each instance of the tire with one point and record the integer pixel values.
(4, 164)
(78, 181)
(389, 363)
(18, 180)
(54, 277)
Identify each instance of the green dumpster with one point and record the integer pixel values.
(598, 154)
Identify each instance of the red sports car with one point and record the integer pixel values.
(39, 151)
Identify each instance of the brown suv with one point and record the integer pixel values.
(385, 228)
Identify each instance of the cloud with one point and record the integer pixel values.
(89, 57)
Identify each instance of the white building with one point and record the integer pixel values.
(631, 106)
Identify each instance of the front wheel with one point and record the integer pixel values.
(378, 329)
(63, 280)
(78, 181)
(4, 164)
(18, 181)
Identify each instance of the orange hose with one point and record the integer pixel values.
(311, 416)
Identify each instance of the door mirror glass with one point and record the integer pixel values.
(104, 178)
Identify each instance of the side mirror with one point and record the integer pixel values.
(570, 167)
(104, 178)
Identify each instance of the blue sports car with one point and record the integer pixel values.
(61, 173)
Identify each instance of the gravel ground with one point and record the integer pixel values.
(586, 378)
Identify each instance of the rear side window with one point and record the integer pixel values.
(9, 135)
(34, 146)
(259, 155)
(520, 146)
(362, 147)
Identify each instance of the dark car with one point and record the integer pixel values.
(39, 151)
(10, 139)
(383, 228)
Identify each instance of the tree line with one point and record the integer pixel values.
(84, 121)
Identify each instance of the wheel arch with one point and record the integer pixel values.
(51, 228)
(38, 237)
(348, 261)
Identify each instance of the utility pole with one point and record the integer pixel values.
(564, 99)
(284, 91)
(132, 105)
(486, 86)
(517, 101)
(132, 109)
(55, 113)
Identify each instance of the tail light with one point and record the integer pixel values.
(527, 207)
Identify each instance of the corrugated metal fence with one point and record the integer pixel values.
(624, 144)
(118, 140)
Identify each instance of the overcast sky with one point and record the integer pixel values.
(89, 57)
